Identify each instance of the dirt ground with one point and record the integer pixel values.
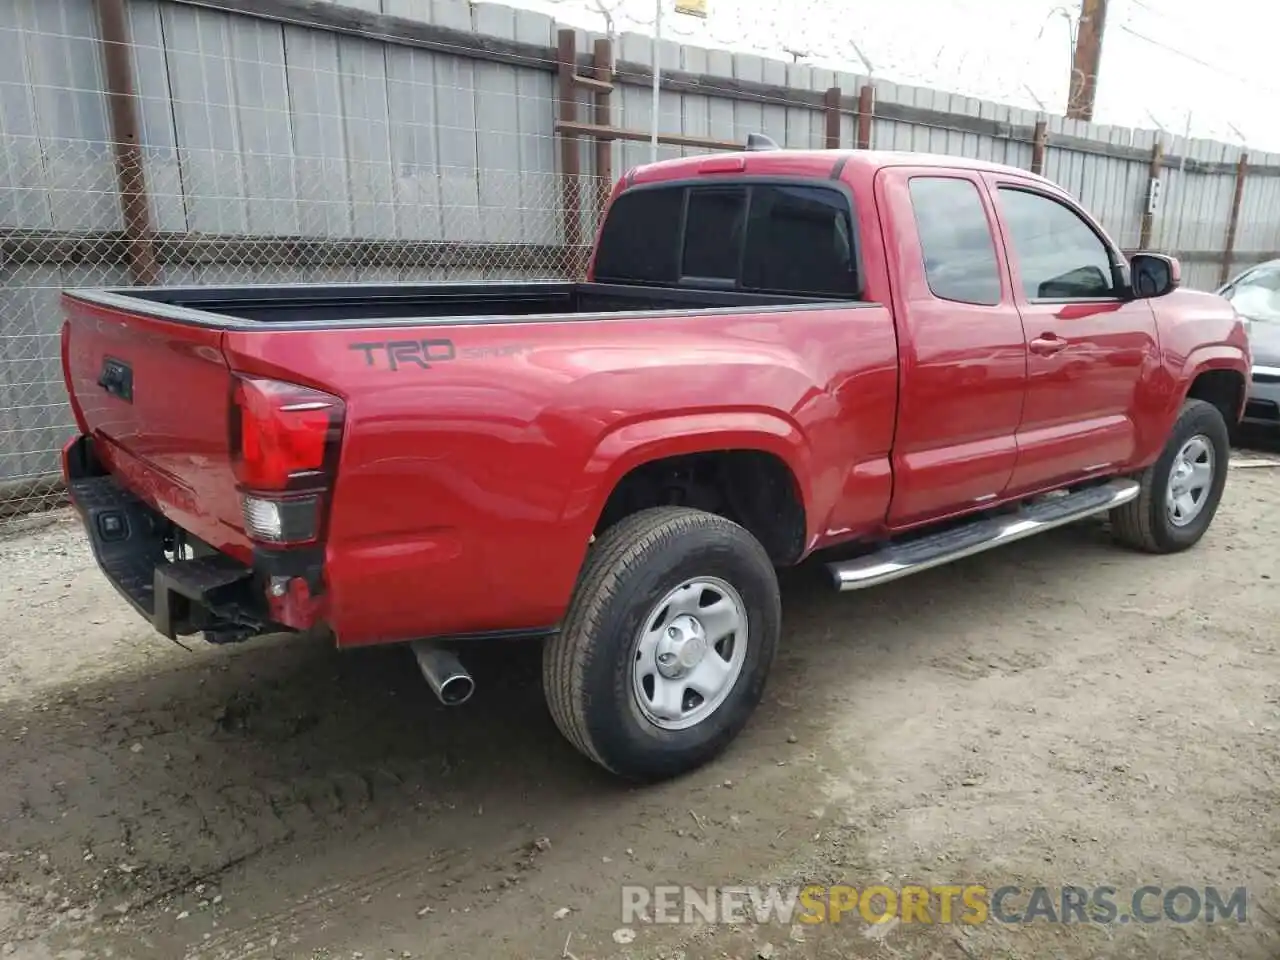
(1056, 712)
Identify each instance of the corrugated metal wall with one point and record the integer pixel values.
(258, 132)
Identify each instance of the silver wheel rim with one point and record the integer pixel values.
(1190, 480)
(689, 653)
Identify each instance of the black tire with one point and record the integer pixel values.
(1144, 523)
(587, 667)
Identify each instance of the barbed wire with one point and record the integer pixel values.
(950, 45)
(940, 59)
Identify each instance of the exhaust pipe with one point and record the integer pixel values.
(445, 673)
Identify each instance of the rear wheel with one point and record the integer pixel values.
(1180, 492)
(668, 641)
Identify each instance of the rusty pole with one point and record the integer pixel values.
(1039, 141)
(831, 105)
(1086, 59)
(570, 169)
(131, 179)
(866, 111)
(1242, 171)
(602, 62)
(1154, 170)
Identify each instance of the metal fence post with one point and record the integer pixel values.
(831, 107)
(135, 206)
(866, 111)
(1040, 140)
(570, 168)
(1229, 248)
(602, 63)
(1154, 170)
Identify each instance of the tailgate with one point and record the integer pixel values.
(154, 395)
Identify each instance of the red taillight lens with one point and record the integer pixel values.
(284, 450)
(283, 436)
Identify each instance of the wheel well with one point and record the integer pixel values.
(1222, 388)
(750, 487)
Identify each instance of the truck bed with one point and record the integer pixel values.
(151, 372)
(356, 304)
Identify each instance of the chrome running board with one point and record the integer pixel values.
(900, 560)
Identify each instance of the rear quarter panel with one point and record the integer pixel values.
(468, 489)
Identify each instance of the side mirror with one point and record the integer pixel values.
(1154, 274)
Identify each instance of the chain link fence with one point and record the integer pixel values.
(253, 220)
(273, 151)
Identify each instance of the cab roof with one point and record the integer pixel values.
(819, 164)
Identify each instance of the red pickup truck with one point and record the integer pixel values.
(894, 359)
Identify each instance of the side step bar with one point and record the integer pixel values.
(900, 560)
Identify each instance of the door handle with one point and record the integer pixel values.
(1047, 345)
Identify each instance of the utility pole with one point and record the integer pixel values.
(1086, 59)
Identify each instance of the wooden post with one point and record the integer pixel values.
(131, 179)
(1242, 171)
(602, 61)
(1039, 141)
(1153, 172)
(866, 111)
(831, 104)
(570, 168)
(1086, 59)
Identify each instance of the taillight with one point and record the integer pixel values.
(284, 448)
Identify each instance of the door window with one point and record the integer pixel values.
(955, 240)
(1058, 254)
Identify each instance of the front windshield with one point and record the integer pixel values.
(1257, 296)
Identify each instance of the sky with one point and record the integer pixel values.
(1177, 65)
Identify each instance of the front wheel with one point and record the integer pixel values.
(1180, 492)
(669, 638)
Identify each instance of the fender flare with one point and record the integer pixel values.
(631, 444)
(1213, 356)
(1176, 383)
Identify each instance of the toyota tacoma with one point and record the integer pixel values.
(886, 360)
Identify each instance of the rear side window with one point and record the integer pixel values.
(713, 234)
(761, 238)
(799, 240)
(955, 240)
(639, 237)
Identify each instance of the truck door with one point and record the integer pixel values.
(1088, 345)
(962, 353)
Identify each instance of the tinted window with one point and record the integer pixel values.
(1058, 254)
(766, 238)
(640, 241)
(955, 240)
(713, 233)
(799, 240)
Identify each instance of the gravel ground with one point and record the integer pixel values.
(1056, 712)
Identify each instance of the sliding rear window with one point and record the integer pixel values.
(795, 239)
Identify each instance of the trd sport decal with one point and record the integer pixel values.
(394, 355)
(398, 353)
